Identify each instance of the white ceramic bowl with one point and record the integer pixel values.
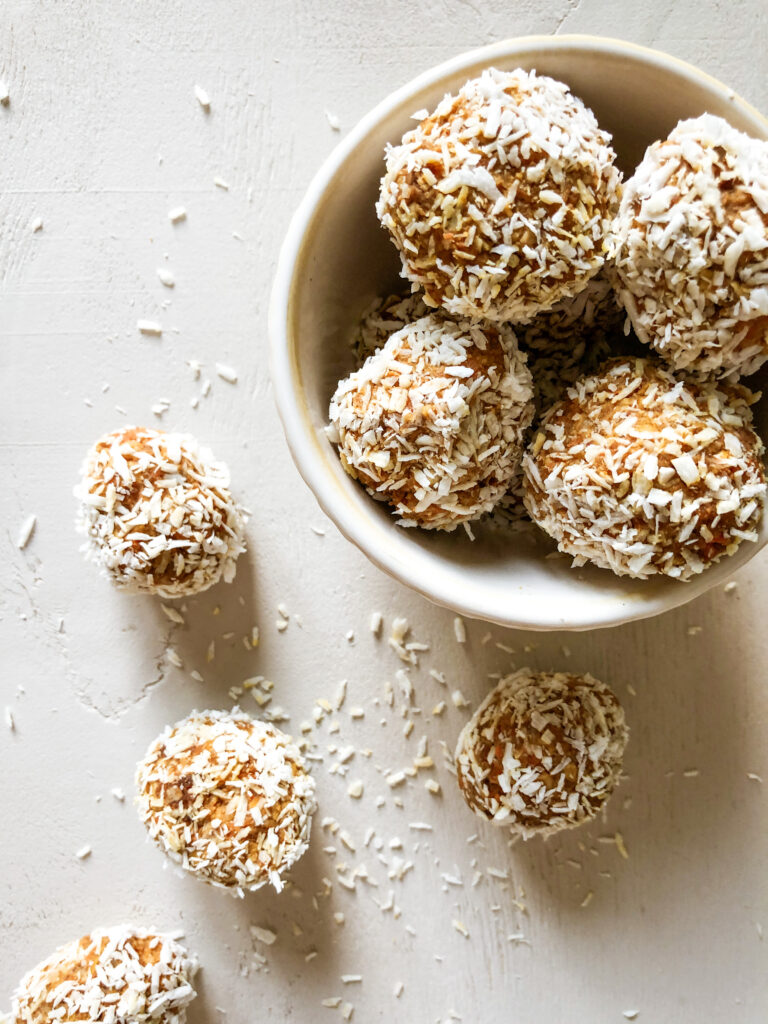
(336, 259)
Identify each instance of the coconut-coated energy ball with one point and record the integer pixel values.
(572, 339)
(641, 473)
(157, 513)
(229, 798)
(433, 422)
(691, 242)
(543, 752)
(500, 201)
(120, 975)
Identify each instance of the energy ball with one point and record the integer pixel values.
(543, 752)
(692, 248)
(571, 339)
(434, 420)
(641, 473)
(120, 975)
(500, 202)
(228, 798)
(158, 514)
(383, 318)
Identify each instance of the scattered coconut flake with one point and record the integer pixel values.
(177, 214)
(37, 225)
(221, 183)
(376, 622)
(459, 700)
(263, 935)
(9, 720)
(631, 1014)
(149, 327)
(83, 852)
(355, 790)
(587, 899)
(459, 630)
(332, 1002)
(730, 587)
(754, 776)
(5, 95)
(226, 373)
(398, 989)
(351, 979)
(395, 779)
(118, 794)
(203, 98)
(173, 614)
(619, 840)
(460, 927)
(333, 121)
(26, 531)
(167, 278)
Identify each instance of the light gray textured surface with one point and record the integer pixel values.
(98, 95)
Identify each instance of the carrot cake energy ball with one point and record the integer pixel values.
(692, 248)
(641, 473)
(157, 513)
(571, 339)
(543, 751)
(118, 975)
(433, 422)
(500, 201)
(227, 797)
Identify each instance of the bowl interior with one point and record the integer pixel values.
(338, 259)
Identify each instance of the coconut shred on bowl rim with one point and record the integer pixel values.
(336, 263)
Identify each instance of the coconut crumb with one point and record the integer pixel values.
(26, 532)
(151, 327)
(203, 98)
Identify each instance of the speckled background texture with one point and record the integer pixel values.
(101, 137)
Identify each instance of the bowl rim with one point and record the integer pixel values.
(284, 371)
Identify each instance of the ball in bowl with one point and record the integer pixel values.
(692, 248)
(501, 200)
(639, 472)
(434, 420)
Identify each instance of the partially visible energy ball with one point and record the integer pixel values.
(571, 339)
(641, 473)
(692, 248)
(120, 975)
(543, 752)
(158, 514)
(500, 202)
(227, 797)
(434, 420)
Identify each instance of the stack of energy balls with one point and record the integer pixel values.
(505, 383)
